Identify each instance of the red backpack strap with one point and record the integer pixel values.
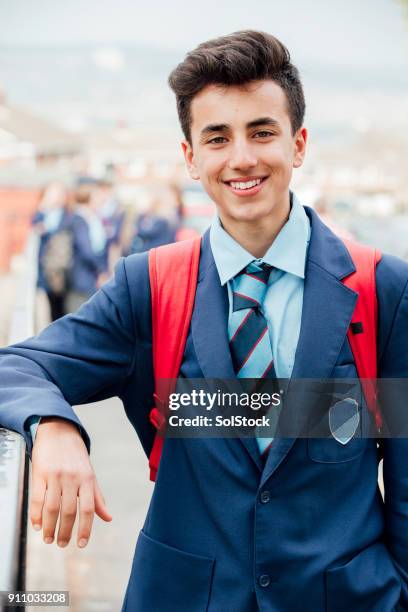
(173, 271)
(362, 332)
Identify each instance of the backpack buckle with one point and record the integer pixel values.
(156, 415)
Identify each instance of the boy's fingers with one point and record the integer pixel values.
(68, 513)
(86, 513)
(100, 506)
(38, 489)
(51, 509)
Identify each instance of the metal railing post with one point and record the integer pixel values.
(14, 462)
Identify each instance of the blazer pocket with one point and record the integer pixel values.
(166, 579)
(368, 582)
(345, 370)
(329, 450)
(341, 426)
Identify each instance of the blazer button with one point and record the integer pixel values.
(265, 497)
(264, 580)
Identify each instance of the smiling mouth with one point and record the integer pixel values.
(244, 185)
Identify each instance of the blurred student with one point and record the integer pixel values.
(112, 215)
(50, 222)
(153, 228)
(88, 248)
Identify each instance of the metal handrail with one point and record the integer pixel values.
(14, 462)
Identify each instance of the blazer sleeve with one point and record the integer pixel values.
(392, 290)
(83, 357)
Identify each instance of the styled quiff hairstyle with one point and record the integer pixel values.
(237, 59)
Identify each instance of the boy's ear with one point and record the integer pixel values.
(189, 159)
(300, 147)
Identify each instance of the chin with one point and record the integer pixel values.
(251, 212)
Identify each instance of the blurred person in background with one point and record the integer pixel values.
(157, 226)
(88, 247)
(112, 215)
(54, 255)
(183, 232)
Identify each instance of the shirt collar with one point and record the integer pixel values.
(287, 252)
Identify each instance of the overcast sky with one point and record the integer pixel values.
(361, 32)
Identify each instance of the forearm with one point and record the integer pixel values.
(26, 391)
(34, 421)
(80, 358)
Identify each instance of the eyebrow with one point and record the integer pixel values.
(263, 121)
(214, 127)
(224, 127)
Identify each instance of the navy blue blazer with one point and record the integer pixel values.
(308, 531)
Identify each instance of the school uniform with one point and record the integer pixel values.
(305, 529)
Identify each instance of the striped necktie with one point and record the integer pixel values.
(249, 342)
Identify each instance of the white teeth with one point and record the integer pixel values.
(246, 185)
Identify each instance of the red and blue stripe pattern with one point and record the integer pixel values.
(248, 330)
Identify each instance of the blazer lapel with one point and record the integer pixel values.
(209, 328)
(328, 306)
(209, 320)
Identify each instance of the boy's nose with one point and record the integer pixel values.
(242, 158)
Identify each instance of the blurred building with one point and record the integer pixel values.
(24, 135)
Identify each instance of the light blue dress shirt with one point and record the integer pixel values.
(283, 300)
(284, 297)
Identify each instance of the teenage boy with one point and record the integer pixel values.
(233, 524)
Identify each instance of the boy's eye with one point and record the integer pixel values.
(263, 134)
(217, 140)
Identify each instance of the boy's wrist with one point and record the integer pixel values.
(57, 421)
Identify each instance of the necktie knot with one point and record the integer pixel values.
(249, 286)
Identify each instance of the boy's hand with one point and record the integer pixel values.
(62, 472)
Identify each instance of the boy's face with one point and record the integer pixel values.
(243, 150)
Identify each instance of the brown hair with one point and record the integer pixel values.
(83, 194)
(237, 59)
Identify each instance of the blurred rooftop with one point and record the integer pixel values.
(22, 132)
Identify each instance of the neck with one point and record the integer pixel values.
(258, 235)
